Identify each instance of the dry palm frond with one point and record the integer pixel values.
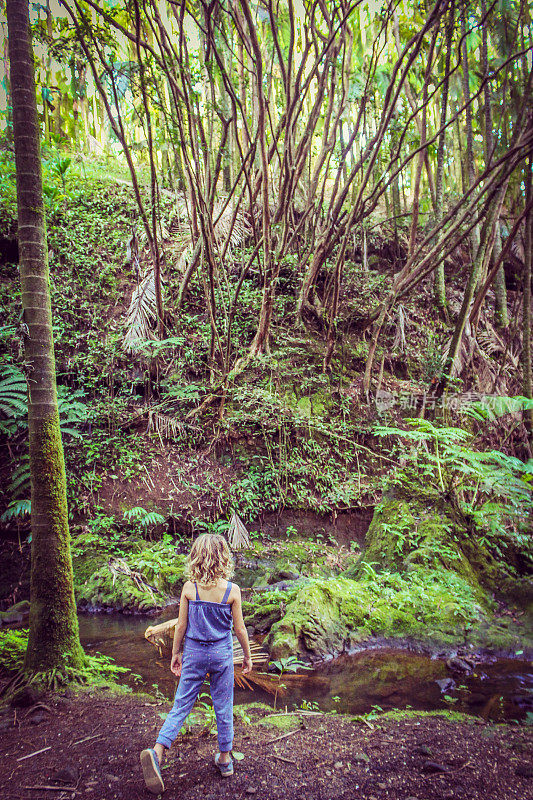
(141, 314)
(167, 427)
(182, 244)
(223, 218)
(237, 533)
(161, 636)
(262, 680)
(142, 311)
(399, 337)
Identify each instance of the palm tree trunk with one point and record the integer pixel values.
(54, 639)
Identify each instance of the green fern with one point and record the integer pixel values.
(14, 405)
(16, 509)
(20, 479)
(13, 393)
(145, 518)
(490, 490)
(492, 408)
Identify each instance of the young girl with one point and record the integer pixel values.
(208, 605)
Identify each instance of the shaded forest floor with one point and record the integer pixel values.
(91, 747)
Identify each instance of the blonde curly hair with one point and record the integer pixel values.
(209, 560)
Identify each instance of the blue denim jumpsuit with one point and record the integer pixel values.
(207, 648)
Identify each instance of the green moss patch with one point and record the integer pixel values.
(329, 615)
(283, 722)
(410, 713)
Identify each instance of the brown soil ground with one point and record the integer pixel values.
(96, 739)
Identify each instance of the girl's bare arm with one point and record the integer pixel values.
(179, 633)
(240, 629)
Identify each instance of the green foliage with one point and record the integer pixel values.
(8, 191)
(146, 519)
(290, 664)
(13, 397)
(13, 643)
(493, 407)
(489, 491)
(16, 510)
(98, 669)
(203, 715)
(125, 573)
(73, 412)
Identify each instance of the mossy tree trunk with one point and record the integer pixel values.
(54, 638)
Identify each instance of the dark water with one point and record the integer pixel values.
(383, 678)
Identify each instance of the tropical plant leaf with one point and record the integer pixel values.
(13, 393)
(492, 407)
(20, 483)
(17, 508)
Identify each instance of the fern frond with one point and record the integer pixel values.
(17, 508)
(13, 393)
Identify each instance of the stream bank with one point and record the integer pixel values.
(382, 675)
(417, 575)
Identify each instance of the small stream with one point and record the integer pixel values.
(386, 678)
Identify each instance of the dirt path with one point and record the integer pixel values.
(93, 743)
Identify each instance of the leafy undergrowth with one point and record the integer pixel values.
(283, 435)
(98, 671)
(128, 575)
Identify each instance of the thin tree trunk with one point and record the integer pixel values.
(423, 152)
(526, 324)
(470, 170)
(53, 639)
(500, 289)
(478, 266)
(440, 284)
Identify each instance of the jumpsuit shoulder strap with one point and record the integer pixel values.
(196, 587)
(226, 593)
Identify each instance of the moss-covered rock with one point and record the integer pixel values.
(328, 616)
(266, 564)
(16, 613)
(139, 579)
(265, 608)
(421, 577)
(413, 533)
(406, 535)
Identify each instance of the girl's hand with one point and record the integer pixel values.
(175, 665)
(247, 666)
